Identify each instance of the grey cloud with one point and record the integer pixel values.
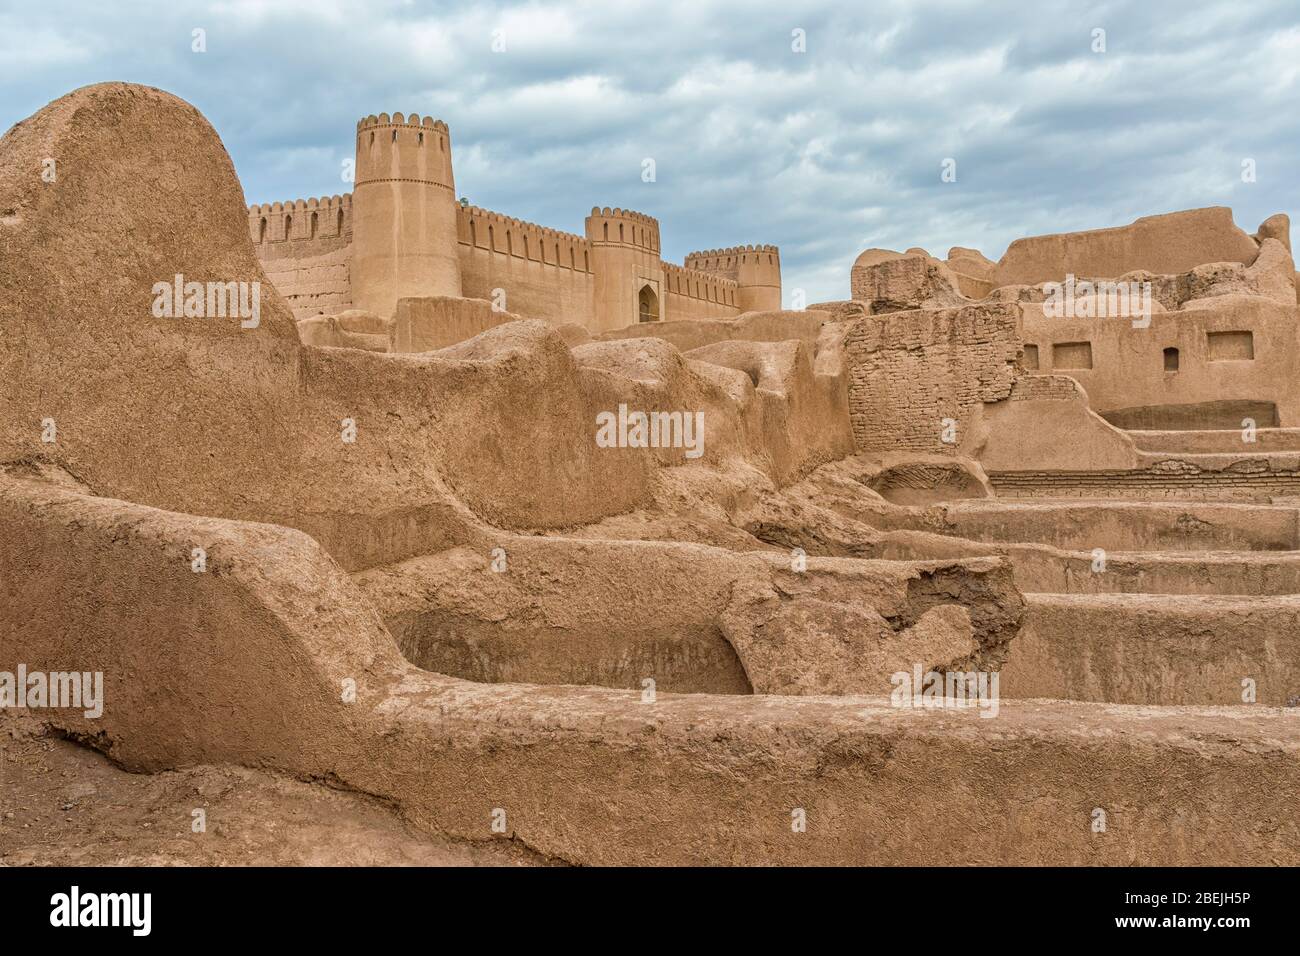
(824, 153)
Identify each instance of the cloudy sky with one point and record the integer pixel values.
(824, 152)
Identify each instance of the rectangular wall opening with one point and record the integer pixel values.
(1072, 355)
(1231, 346)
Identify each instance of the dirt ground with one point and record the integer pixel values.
(62, 804)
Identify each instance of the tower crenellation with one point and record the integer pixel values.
(408, 148)
(755, 268)
(624, 227)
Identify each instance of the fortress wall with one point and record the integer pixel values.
(532, 289)
(314, 284)
(544, 273)
(755, 269)
(300, 221)
(691, 294)
(719, 262)
(305, 249)
(549, 274)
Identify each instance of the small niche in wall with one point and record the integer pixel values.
(1072, 355)
(1031, 357)
(1231, 346)
(1171, 360)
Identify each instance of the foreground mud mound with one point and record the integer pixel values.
(433, 579)
(69, 806)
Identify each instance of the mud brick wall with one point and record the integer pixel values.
(908, 371)
(1151, 484)
(306, 251)
(1046, 388)
(313, 284)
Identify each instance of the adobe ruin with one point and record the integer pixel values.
(373, 540)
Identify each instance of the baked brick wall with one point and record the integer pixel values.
(315, 283)
(305, 247)
(1170, 481)
(908, 371)
(1045, 388)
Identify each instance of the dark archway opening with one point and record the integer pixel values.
(648, 305)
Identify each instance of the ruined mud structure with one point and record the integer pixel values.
(375, 542)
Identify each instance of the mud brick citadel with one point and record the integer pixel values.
(373, 539)
(402, 233)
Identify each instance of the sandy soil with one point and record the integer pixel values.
(62, 804)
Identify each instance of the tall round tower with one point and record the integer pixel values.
(758, 274)
(403, 212)
(756, 269)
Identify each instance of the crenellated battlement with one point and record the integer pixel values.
(628, 214)
(403, 149)
(734, 250)
(506, 235)
(606, 226)
(688, 273)
(702, 286)
(397, 119)
(756, 270)
(732, 257)
(300, 219)
(479, 213)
